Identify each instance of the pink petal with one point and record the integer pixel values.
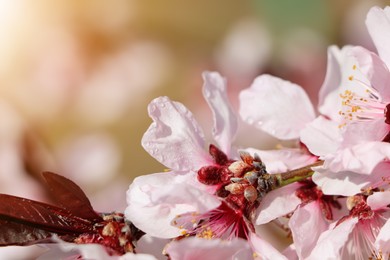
(361, 158)
(290, 252)
(264, 250)
(194, 248)
(306, 220)
(348, 183)
(174, 138)
(152, 246)
(331, 241)
(339, 183)
(383, 239)
(155, 200)
(329, 103)
(362, 132)
(278, 203)
(282, 160)
(378, 24)
(275, 106)
(321, 136)
(374, 70)
(225, 121)
(379, 200)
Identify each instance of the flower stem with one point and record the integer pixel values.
(285, 178)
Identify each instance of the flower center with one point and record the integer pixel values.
(222, 222)
(240, 185)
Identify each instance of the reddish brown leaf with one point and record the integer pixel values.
(68, 195)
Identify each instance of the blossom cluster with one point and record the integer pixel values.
(329, 191)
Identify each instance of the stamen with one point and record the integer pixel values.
(360, 107)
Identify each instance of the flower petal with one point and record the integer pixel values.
(383, 239)
(379, 200)
(275, 106)
(152, 246)
(331, 241)
(321, 136)
(361, 158)
(378, 25)
(194, 248)
(348, 183)
(329, 103)
(339, 183)
(307, 219)
(362, 132)
(155, 200)
(174, 138)
(373, 69)
(264, 250)
(225, 121)
(278, 203)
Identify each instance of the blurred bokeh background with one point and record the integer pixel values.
(76, 76)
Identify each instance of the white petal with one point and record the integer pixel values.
(194, 248)
(264, 250)
(155, 200)
(329, 103)
(278, 203)
(374, 70)
(308, 219)
(152, 246)
(174, 138)
(331, 241)
(361, 158)
(275, 106)
(348, 183)
(379, 200)
(378, 24)
(383, 239)
(225, 121)
(362, 132)
(339, 183)
(321, 136)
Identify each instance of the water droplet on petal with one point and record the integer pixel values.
(250, 120)
(206, 93)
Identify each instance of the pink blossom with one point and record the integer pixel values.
(207, 195)
(176, 140)
(354, 235)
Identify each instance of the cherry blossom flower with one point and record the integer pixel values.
(354, 235)
(176, 140)
(204, 195)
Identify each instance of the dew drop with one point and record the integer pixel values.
(250, 120)
(206, 93)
